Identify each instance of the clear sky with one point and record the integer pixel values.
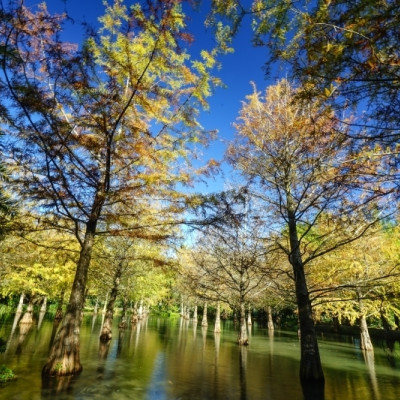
(238, 70)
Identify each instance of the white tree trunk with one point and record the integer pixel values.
(204, 320)
(217, 327)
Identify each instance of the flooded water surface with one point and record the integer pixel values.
(164, 359)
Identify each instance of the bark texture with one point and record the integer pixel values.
(106, 332)
(243, 339)
(310, 361)
(204, 320)
(217, 326)
(64, 356)
(365, 342)
(270, 320)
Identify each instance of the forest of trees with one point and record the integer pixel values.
(99, 160)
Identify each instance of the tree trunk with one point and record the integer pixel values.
(123, 324)
(96, 307)
(270, 320)
(217, 327)
(249, 317)
(365, 343)
(242, 337)
(42, 312)
(195, 313)
(105, 305)
(27, 318)
(59, 312)
(181, 311)
(187, 313)
(310, 361)
(18, 312)
(106, 332)
(204, 320)
(64, 356)
(140, 310)
(134, 318)
(20, 303)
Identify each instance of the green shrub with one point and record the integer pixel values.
(6, 374)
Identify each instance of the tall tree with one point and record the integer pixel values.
(360, 281)
(297, 162)
(230, 263)
(7, 205)
(344, 51)
(100, 128)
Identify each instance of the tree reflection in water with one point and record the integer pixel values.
(242, 372)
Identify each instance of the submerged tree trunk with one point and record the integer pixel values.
(204, 320)
(270, 320)
(106, 332)
(310, 361)
(249, 322)
(242, 337)
(64, 356)
(217, 326)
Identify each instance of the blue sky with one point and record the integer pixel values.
(238, 69)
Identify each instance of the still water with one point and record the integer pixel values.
(164, 359)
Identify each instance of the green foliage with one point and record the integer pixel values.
(6, 374)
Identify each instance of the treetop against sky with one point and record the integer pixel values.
(237, 69)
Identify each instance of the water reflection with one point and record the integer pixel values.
(53, 387)
(173, 359)
(242, 372)
(313, 390)
(370, 363)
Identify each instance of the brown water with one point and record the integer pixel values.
(164, 359)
